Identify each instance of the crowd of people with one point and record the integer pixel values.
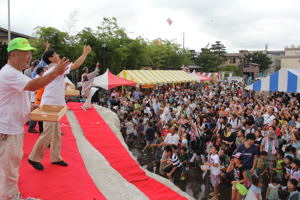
(250, 139)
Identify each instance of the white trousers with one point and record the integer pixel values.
(88, 101)
(11, 153)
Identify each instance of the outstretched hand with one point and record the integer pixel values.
(87, 49)
(61, 67)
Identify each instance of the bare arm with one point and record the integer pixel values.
(245, 178)
(81, 59)
(47, 45)
(254, 164)
(230, 167)
(41, 82)
(268, 190)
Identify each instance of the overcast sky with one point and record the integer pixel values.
(239, 24)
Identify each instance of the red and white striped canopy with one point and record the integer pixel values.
(109, 81)
(202, 77)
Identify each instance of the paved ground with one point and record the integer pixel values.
(194, 185)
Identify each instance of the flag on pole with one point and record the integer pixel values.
(169, 21)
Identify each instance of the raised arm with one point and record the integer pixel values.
(81, 59)
(47, 45)
(42, 81)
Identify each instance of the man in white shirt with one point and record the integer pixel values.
(15, 108)
(54, 94)
(268, 116)
(172, 137)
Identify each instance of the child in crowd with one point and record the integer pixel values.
(240, 137)
(287, 169)
(292, 188)
(174, 168)
(129, 129)
(140, 131)
(295, 170)
(183, 157)
(261, 165)
(272, 192)
(240, 176)
(279, 165)
(214, 163)
(254, 192)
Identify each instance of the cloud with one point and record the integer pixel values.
(238, 24)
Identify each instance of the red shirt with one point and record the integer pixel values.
(165, 132)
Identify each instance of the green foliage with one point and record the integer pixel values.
(112, 48)
(210, 59)
(237, 71)
(3, 54)
(219, 52)
(260, 58)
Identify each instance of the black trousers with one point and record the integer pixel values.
(32, 125)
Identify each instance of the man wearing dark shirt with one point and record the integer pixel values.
(249, 152)
(249, 117)
(150, 134)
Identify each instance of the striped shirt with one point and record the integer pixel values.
(175, 160)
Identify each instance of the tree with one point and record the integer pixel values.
(237, 71)
(218, 50)
(260, 58)
(58, 40)
(211, 59)
(3, 54)
(112, 47)
(193, 55)
(207, 60)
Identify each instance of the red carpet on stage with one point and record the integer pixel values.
(105, 141)
(56, 182)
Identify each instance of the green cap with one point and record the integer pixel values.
(21, 44)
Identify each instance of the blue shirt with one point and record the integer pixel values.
(248, 155)
(136, 95)
(41, 64)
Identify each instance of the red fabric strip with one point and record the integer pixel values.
(56, 182)
(105, 141)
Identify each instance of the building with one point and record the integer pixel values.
(252, 69)
(4, 35)
(237, 59)
(291, 59)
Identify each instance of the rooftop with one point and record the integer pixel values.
(4, 33)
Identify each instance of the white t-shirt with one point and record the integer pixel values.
(129, 127)
(214, 159)
(268, 118)
(14, 101)
(172, 139)
(54, 93)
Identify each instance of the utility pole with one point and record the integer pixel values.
(8, 29)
